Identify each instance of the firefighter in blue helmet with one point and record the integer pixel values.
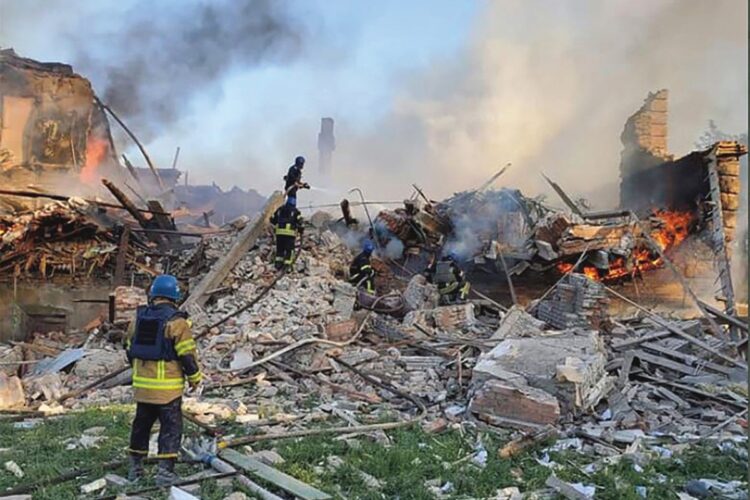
(163, 355)
(288, 222)
(293, 178)
(361, 273)
(450, 279)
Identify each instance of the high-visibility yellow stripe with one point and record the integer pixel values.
(138, 452)
(195, 377)
(280, 231)
(165, 455)
(185, 346)
(166, 385)
(158, 381)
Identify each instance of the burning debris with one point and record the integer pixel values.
(388, 357)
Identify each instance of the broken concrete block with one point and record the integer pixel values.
(344, 298)
(538, 361)
(358, 355)
(341, 331)
(241, 359)
(93, 486)
(176, 493)
(532, 380)
(420, 294)
(446, 318)
(573, 370)
(453, 317)
(268, 457)
(11, 392)
(518, 323)
(14, 469)
(546, 251)
(98, 363)
(49, 386)
(514, 406)
(509, 493)
(570, 491)
(116, 480)
(7, 359)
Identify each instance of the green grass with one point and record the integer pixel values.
(403, 467)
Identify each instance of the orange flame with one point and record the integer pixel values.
(674, 227)
(96, 150)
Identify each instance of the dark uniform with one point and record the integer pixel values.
(450, 280)
(163, 354)
(292, 179)
(288, 222)
(361, 273)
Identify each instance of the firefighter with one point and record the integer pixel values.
(293, 178)
(450, 280)
(163, 355)
(288, 222)
(361, 273)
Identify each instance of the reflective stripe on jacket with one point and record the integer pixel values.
(163, 381)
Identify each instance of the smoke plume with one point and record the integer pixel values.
(152, 66)
(548, 86)
(544, 85)
(148, 60)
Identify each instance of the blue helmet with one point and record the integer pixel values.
(299, 161)
(368, 247)
(291, 201)
(452, 255)
(166, 286)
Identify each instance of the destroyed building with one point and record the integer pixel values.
(52, 132)
(558, 358)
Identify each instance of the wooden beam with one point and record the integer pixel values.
(245, 240)
(122, 253)
(59, 197)
(689, 359)
(125, 201)
(724, 316)
(667, 363)
(135, 139)
(284, 481)
(677, 331)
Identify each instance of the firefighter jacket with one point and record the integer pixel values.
(288, 221)
(293, 176)
(361, 273)
(162, 353)
(448, 277)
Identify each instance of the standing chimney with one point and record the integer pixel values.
(326, 145)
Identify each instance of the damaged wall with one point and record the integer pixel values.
(49, 124)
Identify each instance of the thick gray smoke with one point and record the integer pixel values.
(150, 65)
(548, 86)
(545, 85)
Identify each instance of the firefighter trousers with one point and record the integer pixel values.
(170, 432)
(284, 251)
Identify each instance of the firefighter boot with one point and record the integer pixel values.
(135, 473)
(165, 474)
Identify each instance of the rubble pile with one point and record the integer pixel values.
(305, 355)
(73, 238)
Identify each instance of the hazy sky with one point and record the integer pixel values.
(437, 92)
